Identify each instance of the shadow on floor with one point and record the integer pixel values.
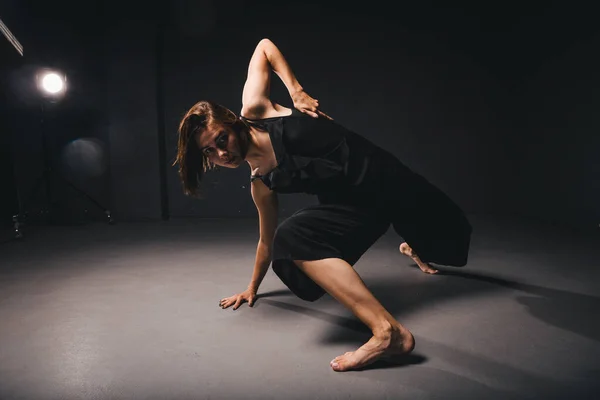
(574, 312)
(569, 311)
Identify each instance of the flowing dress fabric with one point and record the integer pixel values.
(362, 189)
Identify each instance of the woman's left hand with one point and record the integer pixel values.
(306, 104)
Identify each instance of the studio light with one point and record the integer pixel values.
(52, 83)
(83, 156)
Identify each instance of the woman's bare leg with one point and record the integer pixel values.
(408, 251)
(341, 281)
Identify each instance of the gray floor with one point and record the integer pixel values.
(131, 312)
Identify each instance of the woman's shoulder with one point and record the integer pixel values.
(264, 111)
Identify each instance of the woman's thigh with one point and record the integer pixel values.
(319, 232)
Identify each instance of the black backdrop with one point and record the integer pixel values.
(493, 102)
(11, 61)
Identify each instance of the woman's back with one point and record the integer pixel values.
(320, 156)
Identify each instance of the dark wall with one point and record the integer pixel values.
(560, 143)
(133, 125)
(9, 199)
(548, 72)
(492, 104)
(11, 61)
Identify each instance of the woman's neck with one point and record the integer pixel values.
(259, 146)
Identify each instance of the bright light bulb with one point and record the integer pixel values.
(52, 83)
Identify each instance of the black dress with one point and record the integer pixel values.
(361, 189)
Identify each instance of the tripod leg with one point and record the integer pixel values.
(22, 213)
(90, 198)
(17, 227)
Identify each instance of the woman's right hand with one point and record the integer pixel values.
(306, 104)
(236, 300)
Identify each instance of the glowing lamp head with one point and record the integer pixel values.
(52, 83)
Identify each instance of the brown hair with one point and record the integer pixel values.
(192, 163)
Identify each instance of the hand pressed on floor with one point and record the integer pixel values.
(237, 300)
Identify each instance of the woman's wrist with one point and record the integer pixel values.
(253, 288)
(294, 90)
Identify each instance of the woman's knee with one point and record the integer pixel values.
(297, 280)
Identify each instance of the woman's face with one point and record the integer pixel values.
(222, 146)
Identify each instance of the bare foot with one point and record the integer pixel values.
(395, 342)
(408, 251)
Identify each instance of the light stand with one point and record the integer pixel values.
(54, 86)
